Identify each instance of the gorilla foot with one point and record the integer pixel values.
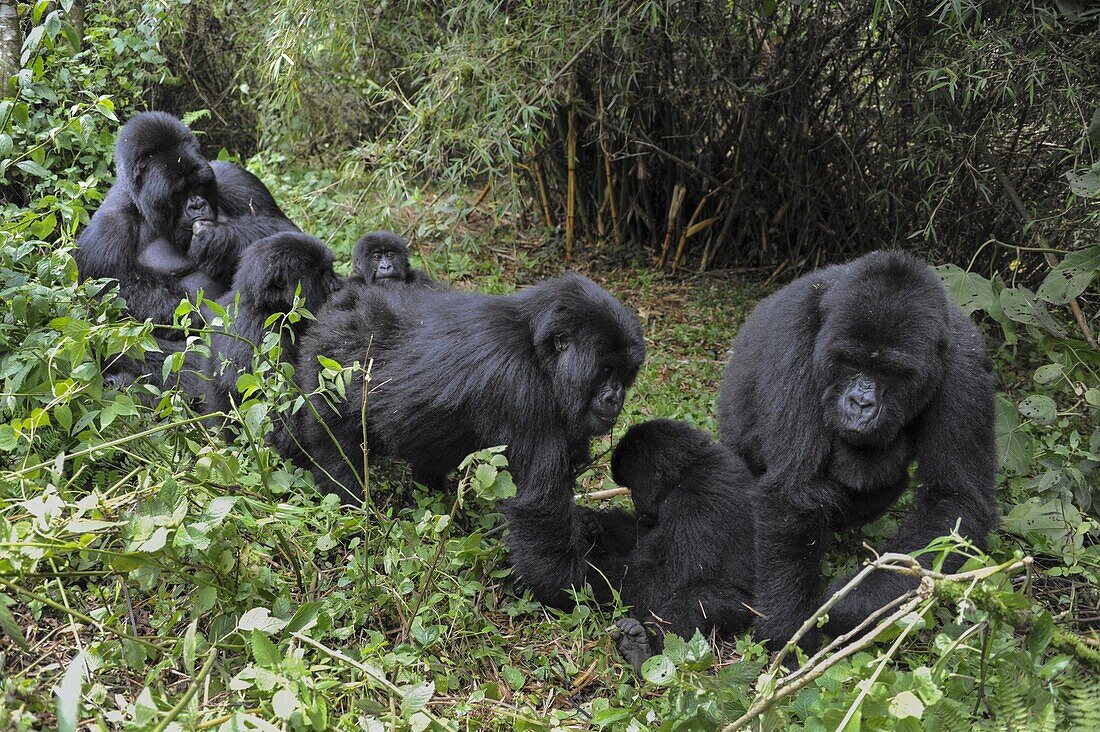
(632, 642)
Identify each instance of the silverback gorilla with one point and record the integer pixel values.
(382, 258)
(174, 222)
(683, 561)
(543, 371)
(834, 386)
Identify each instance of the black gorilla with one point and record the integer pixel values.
(543, 371)
(382, 258)
(173, 222)
(834, 385)
(691, 566)
(265, 284)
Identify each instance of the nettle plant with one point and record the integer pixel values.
(1048, 436)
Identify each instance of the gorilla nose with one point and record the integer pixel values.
(859, 408)
(609, 404)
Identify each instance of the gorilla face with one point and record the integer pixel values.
(170, 182)
(651, 460)
(879, 353)
(279, 264)
(592, 347)
(381, 257)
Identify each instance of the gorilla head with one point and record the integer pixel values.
(170, 182)
(381, 257)
(880, 347)
(268, 278)
(651, 458)
(590, 346)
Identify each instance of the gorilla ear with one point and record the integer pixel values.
(561, 342)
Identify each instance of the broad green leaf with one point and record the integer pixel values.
(1070, 278)
(415, 697)
(285, 703)
(1045, 375)
(658, 670)
(513, 677)
(1020, 305)
(1039, 408)
(264, 651)
(969, 290)
(305, 618)
(1042, 631)
(260, 618)
(906, 704)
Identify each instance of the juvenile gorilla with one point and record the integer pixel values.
(834, 385)
(173, 222)
(265, 284)
(543, 371)
(691, 566)
(382, 258)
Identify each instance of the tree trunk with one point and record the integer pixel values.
(10, 43)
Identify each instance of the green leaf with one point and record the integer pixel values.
(658, 670)
(190, 643)
(905, 705)
(1039, 408)
(29, 166)
(218, 509)
(305, 618)
(1042, 631)
(260, 618)
(513, 677)
(68, 695)
(1092, 396)
(264, 651)
(1046, 375)
(1020, 305)
(9, 626)
(204, 599)
(285, 703)
(1072, 275)
(970, 290)
(415, 697)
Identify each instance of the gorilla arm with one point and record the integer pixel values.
(109, 248)
(956, 454)
(545, 541)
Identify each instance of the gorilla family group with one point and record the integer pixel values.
(836, 385)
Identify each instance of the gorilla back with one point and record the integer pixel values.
(834, 385)
(542, 371)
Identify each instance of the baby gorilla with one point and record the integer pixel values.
(691, 566)
(382, 258)
(265, 284)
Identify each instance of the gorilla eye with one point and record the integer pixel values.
(376, 256)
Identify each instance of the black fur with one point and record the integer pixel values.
(174, 222)
(691, 565)
(382, 258)
(265, 284)
(542, 371)
(834, 386)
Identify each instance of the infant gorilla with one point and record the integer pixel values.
(684, 560)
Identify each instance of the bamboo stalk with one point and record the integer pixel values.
(544, 199)
(678, 193)
(571, 202)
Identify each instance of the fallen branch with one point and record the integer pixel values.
(603, 495)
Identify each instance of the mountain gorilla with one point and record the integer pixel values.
(691, 565)
(834, 385)
(174, 222)
(382, 258)
(265, 284)
(543, 371)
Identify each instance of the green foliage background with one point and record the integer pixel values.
(155, 576)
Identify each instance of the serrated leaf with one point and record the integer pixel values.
(264, 651)
(218, 509)
(415, 697)
(1042, 631)
(204, 599)
(1072, 275)
(658, 670)
(155, 542)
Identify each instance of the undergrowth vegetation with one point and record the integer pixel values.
(155, 574)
